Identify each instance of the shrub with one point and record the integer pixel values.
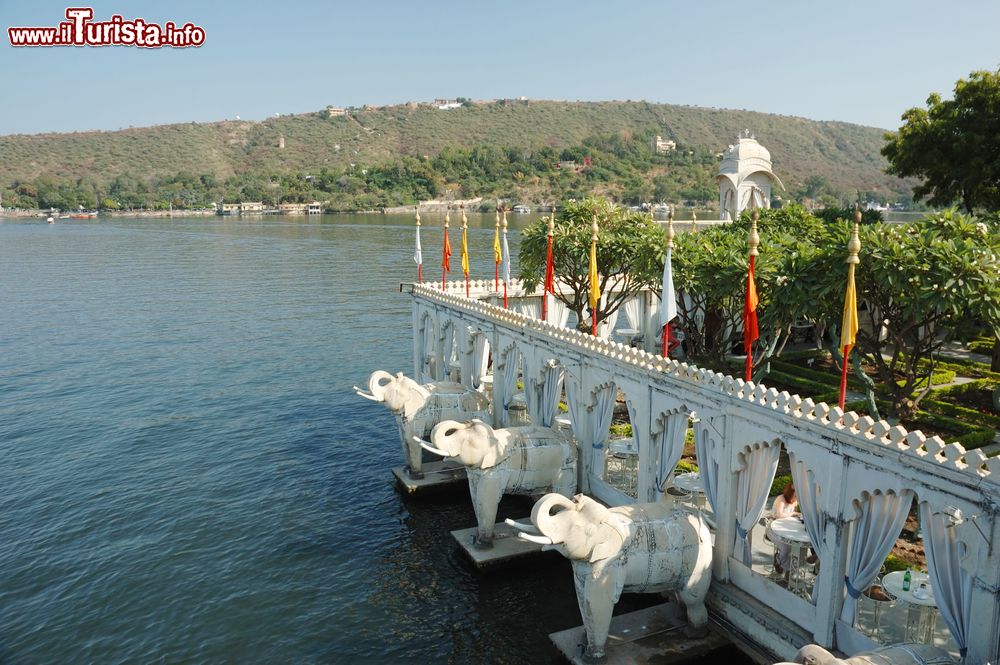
(779, 484)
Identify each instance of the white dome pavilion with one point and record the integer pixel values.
(745, 177)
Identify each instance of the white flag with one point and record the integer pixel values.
(668, 301)
(505, 266)
(418, 256)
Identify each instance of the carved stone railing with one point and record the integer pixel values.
(852, 455)
(861, 428)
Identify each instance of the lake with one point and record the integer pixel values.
(187, 475)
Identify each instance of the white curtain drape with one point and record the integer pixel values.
(551, 391)
(808, 492)
(558, 313)
(669, 444)
(633, 313)
(480, 358)
(577, 409)
(448, 351)
(706, 452)
(753, 482)
(951, 583)
(510, 371)
(530, 307)
(607, 326)
(429, 353)
(873, 535)
(601, 413)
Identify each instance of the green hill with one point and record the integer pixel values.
(810, 157)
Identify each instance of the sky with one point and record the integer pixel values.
(852, 61)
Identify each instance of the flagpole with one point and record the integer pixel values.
(445, 253)
(595, 294)
(465, 249)
(750, 310)
(849, 325)
(506, 276)
(419, 254)
(549, 268)
(663, 298)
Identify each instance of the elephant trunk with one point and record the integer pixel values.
(428, 447)
(375, 385)
(552, 526)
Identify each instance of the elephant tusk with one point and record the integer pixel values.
(426, 446)
(540, 540)
(521, 526)
(366, 395)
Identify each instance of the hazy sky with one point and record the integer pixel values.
(863, 62)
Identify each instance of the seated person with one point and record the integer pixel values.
(784, 506)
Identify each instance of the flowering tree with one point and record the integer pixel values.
(628, 244)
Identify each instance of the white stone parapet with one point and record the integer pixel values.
(849, 457)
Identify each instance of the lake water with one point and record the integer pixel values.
(187, 475)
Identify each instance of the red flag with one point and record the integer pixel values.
(446, 257)
(750, 332)
(550, 271)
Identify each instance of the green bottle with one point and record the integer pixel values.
(906, 580)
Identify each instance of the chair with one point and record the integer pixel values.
(879, 598)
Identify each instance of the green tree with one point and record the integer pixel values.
(629, 255)
(953, 145)
(924, 285)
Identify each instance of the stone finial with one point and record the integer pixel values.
(694, 221)
(418, 215)
(505, 220)
(465, 220)
(854, 245)
(552, 222)
(670, 229)
(447, 218)
(498, 217)
(753, 239)
(593, 230)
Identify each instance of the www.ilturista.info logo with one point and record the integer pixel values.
(79, 30)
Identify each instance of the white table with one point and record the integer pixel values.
(792, 532)
(919, 598)
(627, 334)
(692, 484)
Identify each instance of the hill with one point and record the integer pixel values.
(811, 158)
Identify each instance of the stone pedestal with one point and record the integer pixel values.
(441, 476)
(507, 547)
(652, 635)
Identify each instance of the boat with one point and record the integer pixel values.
(83, 215)
(521, 209)
(51, 220)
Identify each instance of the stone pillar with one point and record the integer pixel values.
(830, 581)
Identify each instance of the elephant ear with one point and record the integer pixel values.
(608, 543)
(485, 436)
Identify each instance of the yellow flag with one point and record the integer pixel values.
(849, 325)
(497, 252)
(465, 253)
(595, 289)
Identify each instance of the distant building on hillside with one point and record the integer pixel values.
(334, 112)
(292, 208)
(665, 145)
(251, 207)
(445, 104)
(745, 177)
(314, 208)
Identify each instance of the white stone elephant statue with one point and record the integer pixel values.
(513, 460)
(896, 654)
(645, 547)
(418, 408)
